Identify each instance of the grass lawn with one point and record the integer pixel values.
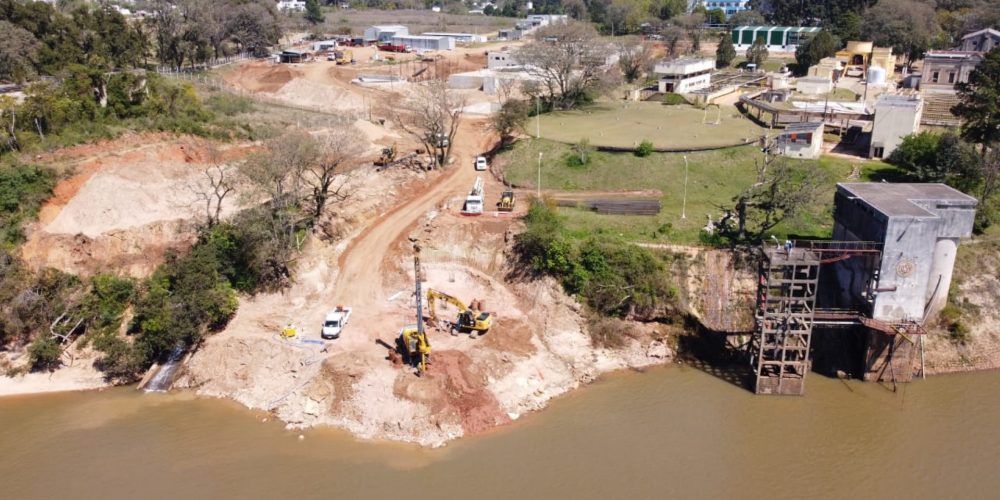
(714, 178)
(625, 124)
(773, 63)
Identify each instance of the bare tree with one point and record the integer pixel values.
(432, 116)
(275, 178)
(326, 179)
(633, 58)
(570, 61)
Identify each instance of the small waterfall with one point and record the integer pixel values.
(164, 376)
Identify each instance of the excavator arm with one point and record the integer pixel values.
(434, 295)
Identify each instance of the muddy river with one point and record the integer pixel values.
(671, 432)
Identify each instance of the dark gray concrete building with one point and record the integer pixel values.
(919, 226)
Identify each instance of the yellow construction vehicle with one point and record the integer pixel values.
(346, 57)
(387, 157)
(506, 203)
(468, 318)
(418, 348)
(413, 338)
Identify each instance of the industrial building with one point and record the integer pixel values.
(865, 294)
(460, 37)
(385, 32)
(896, 116)
(324, 45)
(776, 38)
(980, 41)
(730, 7)
(500, 59)
(801, 140)
(945, 68)
(685, 74)
(487, 80)
(510, 34)
(866, 54)
(421, 42)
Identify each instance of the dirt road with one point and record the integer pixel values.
(363, 263)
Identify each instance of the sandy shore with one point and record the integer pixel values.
(81, 377)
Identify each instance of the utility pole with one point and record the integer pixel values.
(539, 185)
(685, 203)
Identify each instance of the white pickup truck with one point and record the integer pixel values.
(335, 322)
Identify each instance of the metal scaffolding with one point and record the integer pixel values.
(783, 321)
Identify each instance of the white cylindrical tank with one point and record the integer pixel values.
(876, 75)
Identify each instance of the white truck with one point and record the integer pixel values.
(335, 322)
(474, 201)
(481, 163)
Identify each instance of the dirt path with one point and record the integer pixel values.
(362, 265)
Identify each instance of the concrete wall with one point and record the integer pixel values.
(808, 145)
(890, 125)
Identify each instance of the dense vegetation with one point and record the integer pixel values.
(613, 277)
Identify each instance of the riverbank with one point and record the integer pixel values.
(82, 376)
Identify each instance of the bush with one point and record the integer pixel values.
(952, 321)
(672, 99)
(23, 189)
(644, 149)
(230, 104)
(44, 353)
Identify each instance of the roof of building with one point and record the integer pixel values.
(420, 37)
(802, 127)
(900, 200)
(952, 54)
(389, 27)
(991, 31)
(795, 29)
(901, 101)
(450, 34)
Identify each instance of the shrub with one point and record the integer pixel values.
(23, 188)
(645, 148)
(672, 99)
(44, 353)
(230, 104)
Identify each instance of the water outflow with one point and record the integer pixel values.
(164, 376)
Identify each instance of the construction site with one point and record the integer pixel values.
(403, 321)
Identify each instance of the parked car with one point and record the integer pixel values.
(481, 163)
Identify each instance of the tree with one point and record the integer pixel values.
(577, 9)
(511, 117)
(979, 102)
(672, 36)
(822, 45)
(908, 26)
(314, 14)
(325, 178)
(725, 52)
(715, 16)
(18, 53)
(757, 53)
(848, 26)
(569, 60)
(781, 192)
(746, 18)
(929, 157)
(432, 117)
(633, 58)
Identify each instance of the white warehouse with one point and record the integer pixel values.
(685, 74)
(422, 42)
(385, 32)
(460, 37)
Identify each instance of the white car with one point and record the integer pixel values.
(481, 163)
(335, 322)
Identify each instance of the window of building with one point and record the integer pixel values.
(935, 76)
(951, 77)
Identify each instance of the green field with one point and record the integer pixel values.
(625, 124)
(713, 179)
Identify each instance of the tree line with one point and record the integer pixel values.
(42, 39)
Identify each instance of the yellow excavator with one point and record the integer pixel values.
(468, 318)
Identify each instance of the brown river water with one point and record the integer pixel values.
(672, 432)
